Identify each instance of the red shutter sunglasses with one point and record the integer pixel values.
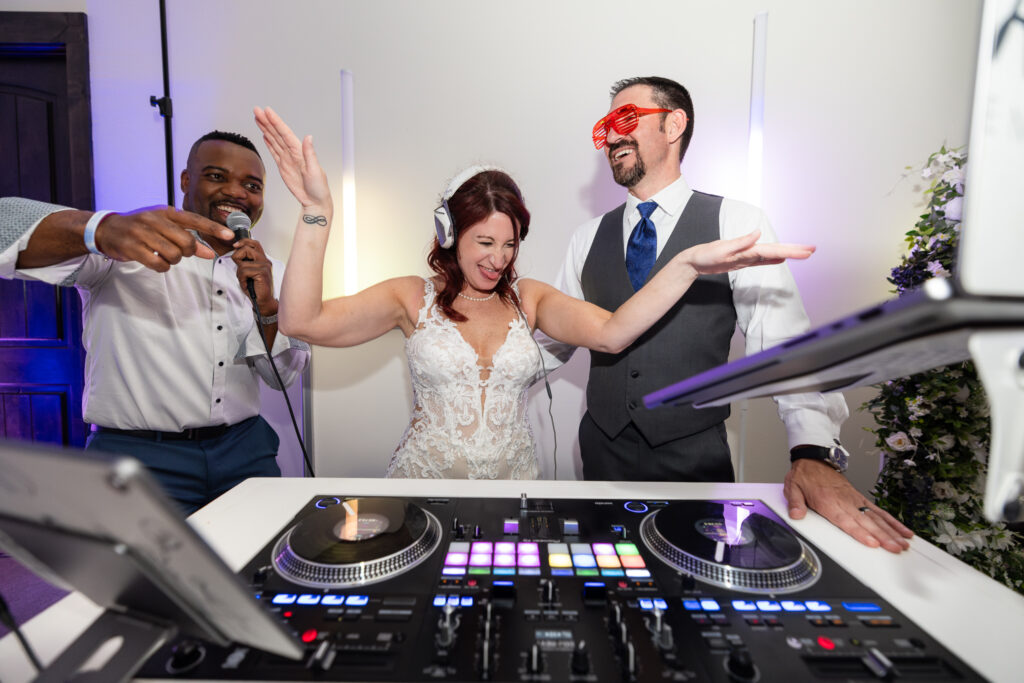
(623, 120)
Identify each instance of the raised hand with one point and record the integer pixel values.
(723, 256)
(296, 160)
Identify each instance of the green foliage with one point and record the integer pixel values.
(933, 428)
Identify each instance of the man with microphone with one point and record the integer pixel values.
(173, 348)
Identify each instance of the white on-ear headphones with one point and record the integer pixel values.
(443, 221)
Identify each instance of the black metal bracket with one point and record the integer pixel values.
(163, 104)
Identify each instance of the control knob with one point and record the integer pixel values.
(740, 665)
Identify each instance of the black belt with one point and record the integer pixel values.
(194, 434)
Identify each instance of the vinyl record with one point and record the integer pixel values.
(358, 530)
(728, 534)
(732, 544)
(356, 542)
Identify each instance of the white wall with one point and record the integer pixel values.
(856, 91)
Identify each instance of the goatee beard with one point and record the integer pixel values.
(629, 177)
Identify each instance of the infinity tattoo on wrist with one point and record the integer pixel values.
(315, 220)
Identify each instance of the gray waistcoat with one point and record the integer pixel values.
(692, 337)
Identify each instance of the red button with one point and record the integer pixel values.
(826, 643)
(309, 636)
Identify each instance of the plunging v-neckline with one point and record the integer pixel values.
(476, 354)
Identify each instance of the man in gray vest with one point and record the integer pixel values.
(644, 136)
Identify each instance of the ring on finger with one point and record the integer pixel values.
(862, 509)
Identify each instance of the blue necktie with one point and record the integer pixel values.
(643, 243)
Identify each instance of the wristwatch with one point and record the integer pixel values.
(836, 456)
(266, 319)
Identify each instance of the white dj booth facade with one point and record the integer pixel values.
(976, 618)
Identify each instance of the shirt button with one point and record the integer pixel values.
(220, 327)
(220, 291)
(217, 401)
(221, 364)
(634, 373)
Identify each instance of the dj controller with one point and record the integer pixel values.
(529, 589)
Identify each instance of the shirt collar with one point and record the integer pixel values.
(670, 200)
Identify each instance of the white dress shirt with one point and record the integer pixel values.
(167, 351)
(768, 306)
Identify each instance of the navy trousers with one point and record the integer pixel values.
(195, 472)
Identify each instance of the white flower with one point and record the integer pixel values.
(936, 269)
(910, 463)
(943, 489)
(915, 432)
(953, 209)
(926, 172)
(951, 537)
(899, 442)
(954, 177)
(945, 442)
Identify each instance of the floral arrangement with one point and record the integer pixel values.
(933, 428)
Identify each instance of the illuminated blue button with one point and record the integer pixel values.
(556, 571)
(529, 571)
(308, 599)
(793, 606)
(466, 601)
(356, 600)
(691, 605)
(504, 571)
(581, 560)
(646, 603)
(454, 571)
(284, 598)
(817, 606)
(453, 600)
(612, 572)
(768, 606)
(333, 600)
(709, 605)
(638, 573)
(660, 604)
(862, 607)
(743, 606)
(440, 600)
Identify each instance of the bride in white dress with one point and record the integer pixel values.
(469, 327)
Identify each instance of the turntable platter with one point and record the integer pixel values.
(357, 541)
(731, 544)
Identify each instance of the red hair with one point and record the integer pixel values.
(486, 193)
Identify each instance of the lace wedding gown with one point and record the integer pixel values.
(467, 421)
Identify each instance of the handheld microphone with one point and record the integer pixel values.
(240, 224)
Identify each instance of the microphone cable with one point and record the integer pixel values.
(277, 375)
(239, 223)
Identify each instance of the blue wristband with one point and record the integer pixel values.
(90, 231)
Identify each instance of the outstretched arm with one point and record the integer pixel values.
(345, 321)
(582, 324)
(156, 237)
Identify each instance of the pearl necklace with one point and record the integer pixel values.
(479, 298)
